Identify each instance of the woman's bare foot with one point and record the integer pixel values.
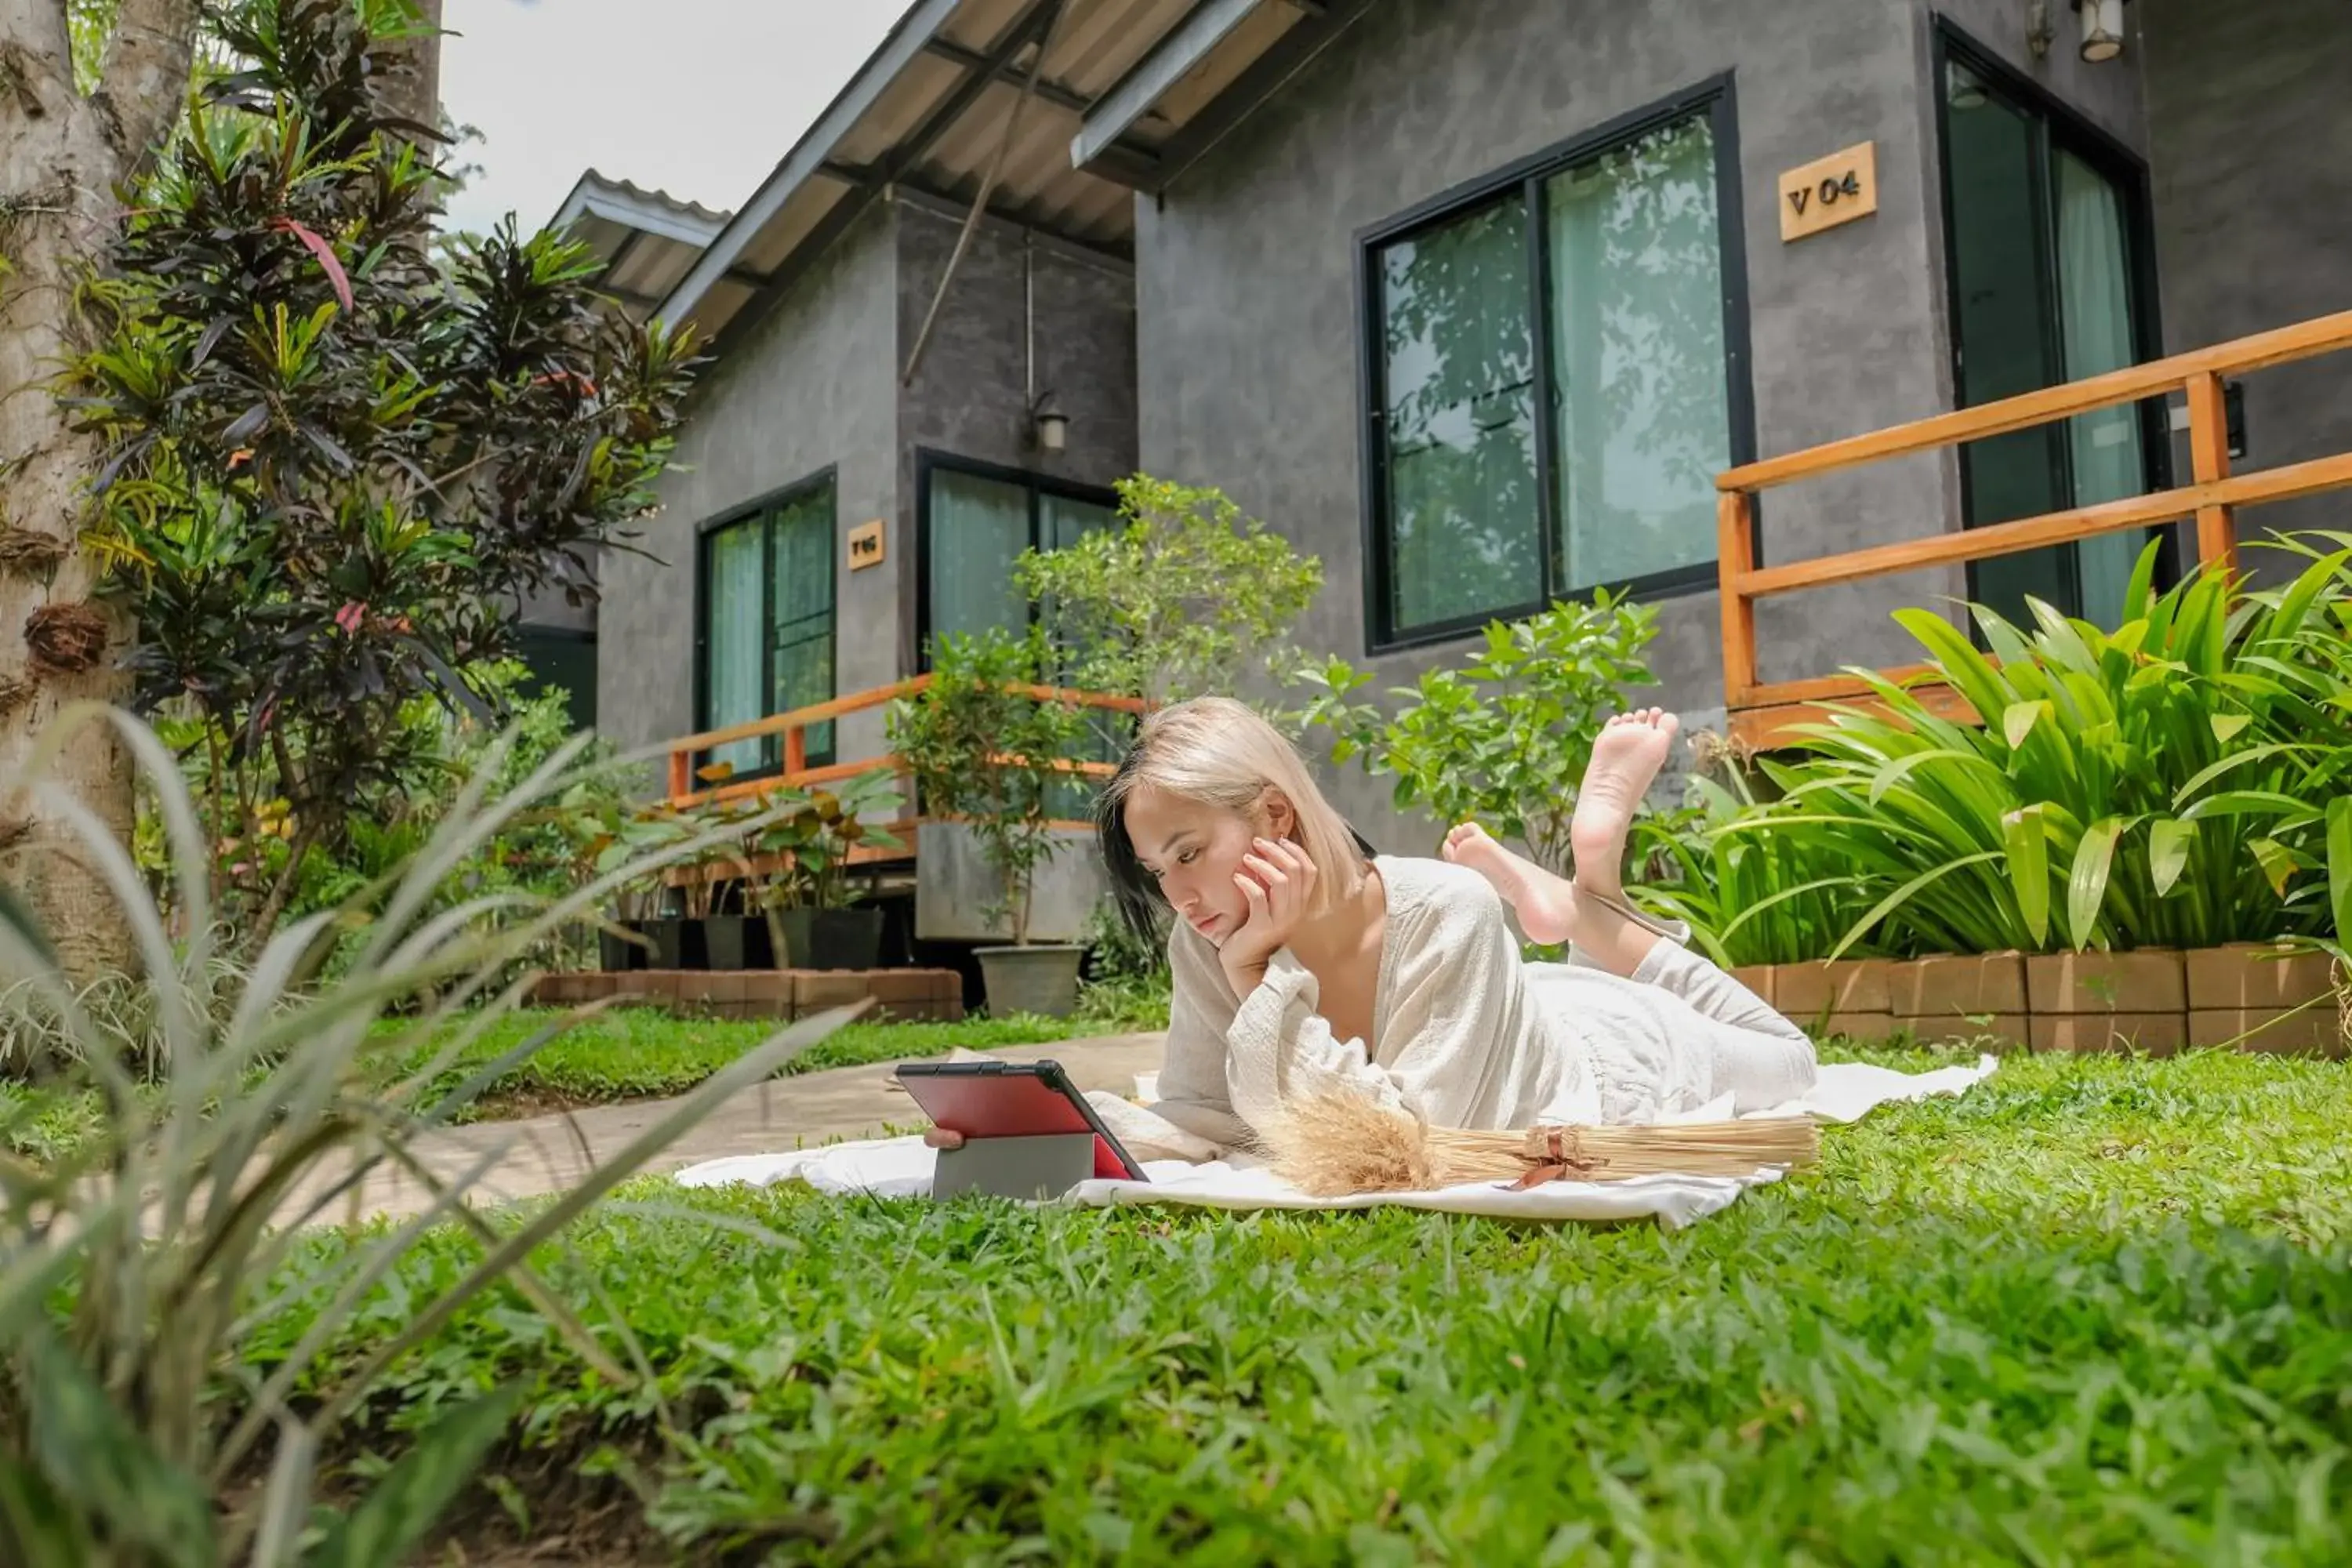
(1632, 747)
(1545, 904)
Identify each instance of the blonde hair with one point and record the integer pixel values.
(1222, 754)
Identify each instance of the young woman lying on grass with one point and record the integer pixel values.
(1303, 962)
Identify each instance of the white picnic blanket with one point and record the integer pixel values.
(901, 1167)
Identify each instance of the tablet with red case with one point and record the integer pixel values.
(1014, 1100)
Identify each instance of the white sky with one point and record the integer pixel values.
(700, 98)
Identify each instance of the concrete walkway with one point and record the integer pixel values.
(551, 1154)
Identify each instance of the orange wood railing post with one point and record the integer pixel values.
(2209, 456)
(1734, 559)
(795, 752)
(681, 776)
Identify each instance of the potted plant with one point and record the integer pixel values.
(649, 936)
(805, 889)
(987, 752)
(720, 932)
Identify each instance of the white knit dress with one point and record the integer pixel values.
(1466, 1032)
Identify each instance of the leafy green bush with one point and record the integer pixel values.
(1505, 740)
(334, 463)
(432, 752)
(2182, 781)
(1184, 598)
(142, 1256)
(982, 748)
(1751, 893)
(1127, 986)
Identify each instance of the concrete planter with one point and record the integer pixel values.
(1967, 999)
(1040, 978)
(2136, 1001)
(910, 994)
(2068, 985)
(829, 939)
(1807, 992)
(2254, 997)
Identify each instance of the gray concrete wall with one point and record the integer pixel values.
(813, 385)
(1248, 293)
(1248, 290)
(2250, 133)
(970, 395)
(969, 399)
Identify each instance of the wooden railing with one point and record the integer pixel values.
(687, 790)
(1762, 715)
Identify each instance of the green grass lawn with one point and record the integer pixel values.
(2098, 1310)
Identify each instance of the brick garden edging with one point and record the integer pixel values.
(902, 995)
(2154, 1000)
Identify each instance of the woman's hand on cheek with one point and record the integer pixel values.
(1276, 882)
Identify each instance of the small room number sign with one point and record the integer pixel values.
(1830, 191)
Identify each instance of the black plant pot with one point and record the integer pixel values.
(668, 936)
(829, 939)
(615, 953)
(730, 943)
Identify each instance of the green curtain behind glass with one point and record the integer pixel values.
(2094, 319)
(801, 601)
(978, 527)
(733, 691)
(1640, 403)
(1062, 522)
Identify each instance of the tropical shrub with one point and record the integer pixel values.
(1184, 597)
(142, 1261)
(2182, 781)
(335, 461)
(811, 835)
(984, 749)
(432, 752)
(1506, 739)
(1750, 897)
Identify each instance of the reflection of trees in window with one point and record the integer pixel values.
(1465, 535)
(1638, 361)
(1631, 310)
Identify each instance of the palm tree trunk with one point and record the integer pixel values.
(62, 158)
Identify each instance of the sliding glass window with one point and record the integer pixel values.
(1553, 386)
(2045, 237)
(976, 522)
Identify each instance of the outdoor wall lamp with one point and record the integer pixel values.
(1049, 425)
(2102, 28)
(2039, 31)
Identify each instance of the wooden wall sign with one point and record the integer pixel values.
(865, 546)
(1829, 191)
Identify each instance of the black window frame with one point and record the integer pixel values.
(929, 462)
(2058, 124)
(705, 531)
(1717, 99)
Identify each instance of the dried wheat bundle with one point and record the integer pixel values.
(1334, 1145)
